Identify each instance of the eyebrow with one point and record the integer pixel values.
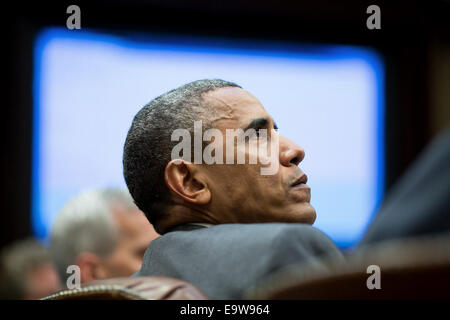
(259, 123)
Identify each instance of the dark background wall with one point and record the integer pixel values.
(414, 39)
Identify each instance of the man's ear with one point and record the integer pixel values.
(185, 180)
(91, 267)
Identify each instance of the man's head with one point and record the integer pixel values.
(102, 232)
(175, 191)
(27, 271)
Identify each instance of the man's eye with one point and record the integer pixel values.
(260, 132)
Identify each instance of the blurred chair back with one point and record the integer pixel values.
(133, 288)
(409, 269)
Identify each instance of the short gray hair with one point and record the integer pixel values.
(148, 145)
(85, 224)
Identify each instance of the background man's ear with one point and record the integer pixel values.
(91, 267)
(185, 180)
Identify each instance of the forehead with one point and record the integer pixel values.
(234, 107)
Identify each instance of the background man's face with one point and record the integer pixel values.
(239, 192)
(135, 234)
(42, 281)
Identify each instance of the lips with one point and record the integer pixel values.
(300, 182)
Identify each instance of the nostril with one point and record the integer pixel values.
(294, 161)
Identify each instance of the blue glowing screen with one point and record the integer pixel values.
(329, 99)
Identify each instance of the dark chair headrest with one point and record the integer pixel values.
(409, 269)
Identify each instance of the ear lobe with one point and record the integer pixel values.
(185, 180)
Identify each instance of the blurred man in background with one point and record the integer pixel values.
(103, 233)
(27, 271)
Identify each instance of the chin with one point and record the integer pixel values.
(305, 214)
(312, 216)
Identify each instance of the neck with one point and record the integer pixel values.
(180, 214)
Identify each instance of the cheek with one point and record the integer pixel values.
(128, 256)
(273, 186)
(264, 190)
(243, 185)
(233, 187)
(124, 261)
(226, 178)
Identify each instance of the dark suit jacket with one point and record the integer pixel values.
(419, 203)
(225, 260)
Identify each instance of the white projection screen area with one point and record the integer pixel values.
(88, 86)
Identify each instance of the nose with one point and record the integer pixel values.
(290, 152)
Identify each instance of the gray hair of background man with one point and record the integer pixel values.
(148, 144)
(86, 224)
